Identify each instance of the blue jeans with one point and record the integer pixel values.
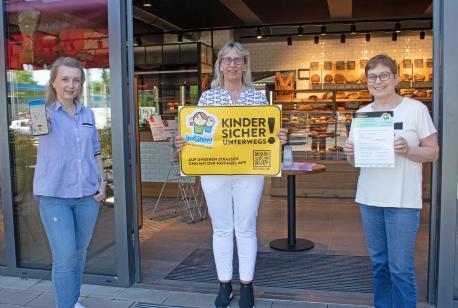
(69, 224)
(390, 238)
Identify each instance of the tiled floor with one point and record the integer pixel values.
(333, 224)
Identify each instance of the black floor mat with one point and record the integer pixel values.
(292, 270)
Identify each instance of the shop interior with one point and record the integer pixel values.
(309, 57)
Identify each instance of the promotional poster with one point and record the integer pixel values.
(231, 140)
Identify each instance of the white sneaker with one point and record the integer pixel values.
(78, 305)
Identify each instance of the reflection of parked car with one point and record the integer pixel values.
(21, 126)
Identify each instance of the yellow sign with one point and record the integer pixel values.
(230, 140)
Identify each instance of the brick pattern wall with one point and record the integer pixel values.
(279, 56)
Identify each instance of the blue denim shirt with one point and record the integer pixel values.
(66, 165)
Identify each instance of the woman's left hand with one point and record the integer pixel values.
(100, 196)
(400, 145)
(283, 135)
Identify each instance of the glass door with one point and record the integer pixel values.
(37, 33)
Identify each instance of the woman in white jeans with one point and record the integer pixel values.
(233, 201)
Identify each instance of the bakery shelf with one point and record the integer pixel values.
(347, 111)
(295, 112)
(340, 86)
(332, 133)
(302, 100)
(355, 100)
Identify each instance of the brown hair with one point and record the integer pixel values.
(384, 60)
(51, 95)
(202, 114)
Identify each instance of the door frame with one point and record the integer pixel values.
(124, 276)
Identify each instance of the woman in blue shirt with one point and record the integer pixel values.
(68, 179)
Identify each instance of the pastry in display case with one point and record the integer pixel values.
(319, 114)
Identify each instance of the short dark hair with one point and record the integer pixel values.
(381, 59)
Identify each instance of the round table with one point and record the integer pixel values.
(292, 243)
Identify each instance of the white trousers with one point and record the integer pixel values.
(233, 203)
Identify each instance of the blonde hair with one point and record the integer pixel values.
(51, 95)
(218, 77)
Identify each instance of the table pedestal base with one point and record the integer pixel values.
(301, 245)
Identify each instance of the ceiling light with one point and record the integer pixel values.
(300, 31)
(397, 27)
(422, 35)
(353, 29)
(342, 38)
(258, 33)
(368, 37)
(316, 39)
(289, 41)
(323, 30)
(394, 36)
(179, 37)
(147, 3)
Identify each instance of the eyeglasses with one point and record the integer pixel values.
(236, 60)
(382, 76)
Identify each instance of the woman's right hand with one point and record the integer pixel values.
(179, 143)
(349, 148)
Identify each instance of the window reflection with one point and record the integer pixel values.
(37, 33)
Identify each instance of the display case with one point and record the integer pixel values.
(319, 122)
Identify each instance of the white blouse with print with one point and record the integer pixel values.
(221, 97)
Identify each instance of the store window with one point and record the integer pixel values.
(2, 232)
(37, 32)
(455, 293)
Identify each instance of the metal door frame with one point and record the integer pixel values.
(121, 160)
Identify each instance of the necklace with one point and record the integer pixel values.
(234, 94)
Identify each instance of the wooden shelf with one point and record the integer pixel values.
(305, 111)
(303, 100)
(353, 100)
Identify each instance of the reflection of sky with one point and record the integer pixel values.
(42, 76)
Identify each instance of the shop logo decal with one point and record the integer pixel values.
(202, 126)
(386, 116)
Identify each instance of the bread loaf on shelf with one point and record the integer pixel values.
(339, 78)
(350, 78)
(305, 107)
(353, 95)
(365, 94)
(420, 93)
(315, 78)
(340, 95)
(419, 77)
(328, 78)
(406, 77)
(326, 96)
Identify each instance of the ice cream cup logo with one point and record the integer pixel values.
(202, 126)
(386, 116)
